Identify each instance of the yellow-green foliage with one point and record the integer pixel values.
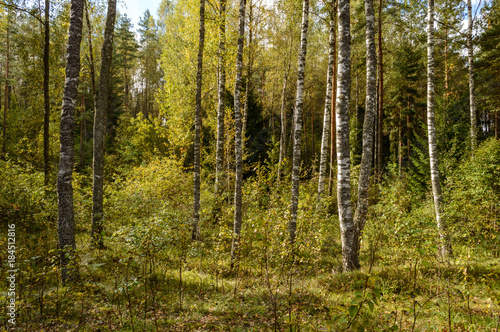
(162, 185)
(23, 198)
(473, 192)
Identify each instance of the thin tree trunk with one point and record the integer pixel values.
(283, 122)
(333, 123)
(380, 140)
(219, 167)
(6, 94)
(371, 105)
(299, 104)
(197, 128)
(431, 127)
(347, 227)
(82, 131)
(66, 222)
(249, 70)
(46, 99)
(91, 52)
(100, 128)
(238, 149)
(472, 92)
(327, 113)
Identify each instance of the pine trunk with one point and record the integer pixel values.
(46, 100)
(327, 113)
(66, 222)
(197, 128)
(371, 104)
(219, 167)
(100, 128)
(431, 127)
(472, 92)
(238, 150)
(299, 105)
(349, 251)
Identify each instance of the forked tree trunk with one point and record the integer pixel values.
(371, 105)
(445, 247)
(65, 221)
(323, 167)
(46, 99)
(299, 105)
(472, 92)
(100, 128)
(221, 109)
(347, 229)
(238, 149)
(197, 128)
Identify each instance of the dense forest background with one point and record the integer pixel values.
(235, 99)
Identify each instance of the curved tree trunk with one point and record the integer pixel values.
(371, 104)
(65, 221)
(299, 105)
(238, 150)
(100, 128)
(46, 100)
(472, 92)
(219, 167)
(197, 127)
(431, 127)
(327, 114)
(349, 253)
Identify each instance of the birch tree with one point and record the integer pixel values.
(46, 95)
(100, 118)
(445, 247)
(197, 127)
(297, 134)
(472, 92)
(327, 113)
(350, 259)
(371, 95)
(219, 167)
(238, 136)
(65, 220)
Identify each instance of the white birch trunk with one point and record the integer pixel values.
(219, 167)
(238, 138)
(299, 104)
(445, 247)
(472, 92)
(347, 229)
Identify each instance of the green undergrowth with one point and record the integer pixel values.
(152, 277)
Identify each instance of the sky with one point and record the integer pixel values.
(136, 8)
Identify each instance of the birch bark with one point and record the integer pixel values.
(445, 247)
(347, 229)
(371, 95)
(238, 137)
(197, 128)
(65, 220)
(100, 128)
(221, 109)
(299, 105)
(472, 92)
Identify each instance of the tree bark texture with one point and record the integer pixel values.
(323, 164)
(248, 86)
(46, 96)
(100, 128)
(472, 92)
(221, 109)
(197, 128)
(371, 105)
(347, 229)
(283, 122)
(6, 93)
(380, 131)
(66, 222)
(431, 128)
(299, 105)
(238, 150)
